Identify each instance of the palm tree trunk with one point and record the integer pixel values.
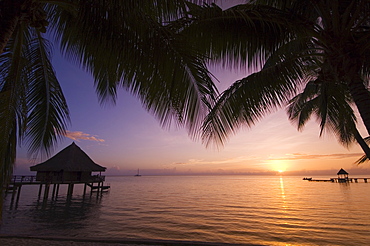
(362, 143)
(361, 97)
(10, 13)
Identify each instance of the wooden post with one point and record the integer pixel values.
(84, 189)
(54, 190)
(40, 189)
(70, 190)
(56, 194)
(46, 192)
(99, 188)
(14, 191)
(19, 193)
(102, 189)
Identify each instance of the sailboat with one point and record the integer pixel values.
(138, 173)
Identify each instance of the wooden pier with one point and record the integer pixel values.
(96, 183)
(351, 180)
(340, 180)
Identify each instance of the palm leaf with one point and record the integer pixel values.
(12, 102)
(365, 157)
(263, 29)
(141, 55)
(331, 104)
(48, 111)
(251, 98)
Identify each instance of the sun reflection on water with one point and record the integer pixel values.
(283, 196)
(282, 188)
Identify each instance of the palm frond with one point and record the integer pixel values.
(12, 101)
(362, 160)
(141, 54)
(331, 104)
(251, 98)
(48, 112)
(301, 107)
(263, 30)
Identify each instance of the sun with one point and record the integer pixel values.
(278, 165)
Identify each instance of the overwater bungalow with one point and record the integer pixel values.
(342, 176)
(70, 166)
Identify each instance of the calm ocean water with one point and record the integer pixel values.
(266, 210)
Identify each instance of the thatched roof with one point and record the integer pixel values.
(70, 159)
(342, 171)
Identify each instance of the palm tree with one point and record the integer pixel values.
(123, 44)
(332, 108)
(285, 44)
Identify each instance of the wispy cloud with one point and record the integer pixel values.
(239, 159)
(300, 156)
(255, 159)
(77, 135)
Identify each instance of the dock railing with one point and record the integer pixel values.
(16, 179)
(29, 179)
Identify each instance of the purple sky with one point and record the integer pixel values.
(125, 137)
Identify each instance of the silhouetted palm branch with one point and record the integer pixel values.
(323, 37)
(251, 98)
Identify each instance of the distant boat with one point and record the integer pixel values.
(138, 173)
(307, 178)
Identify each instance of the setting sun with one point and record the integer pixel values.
(278, 165)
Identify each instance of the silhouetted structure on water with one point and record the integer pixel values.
(342, 178)
(70, 166)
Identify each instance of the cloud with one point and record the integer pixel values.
(77, 135)
(239, 159)
(256, 161)
(300, 156)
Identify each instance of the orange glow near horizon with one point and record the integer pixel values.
(278, 165)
